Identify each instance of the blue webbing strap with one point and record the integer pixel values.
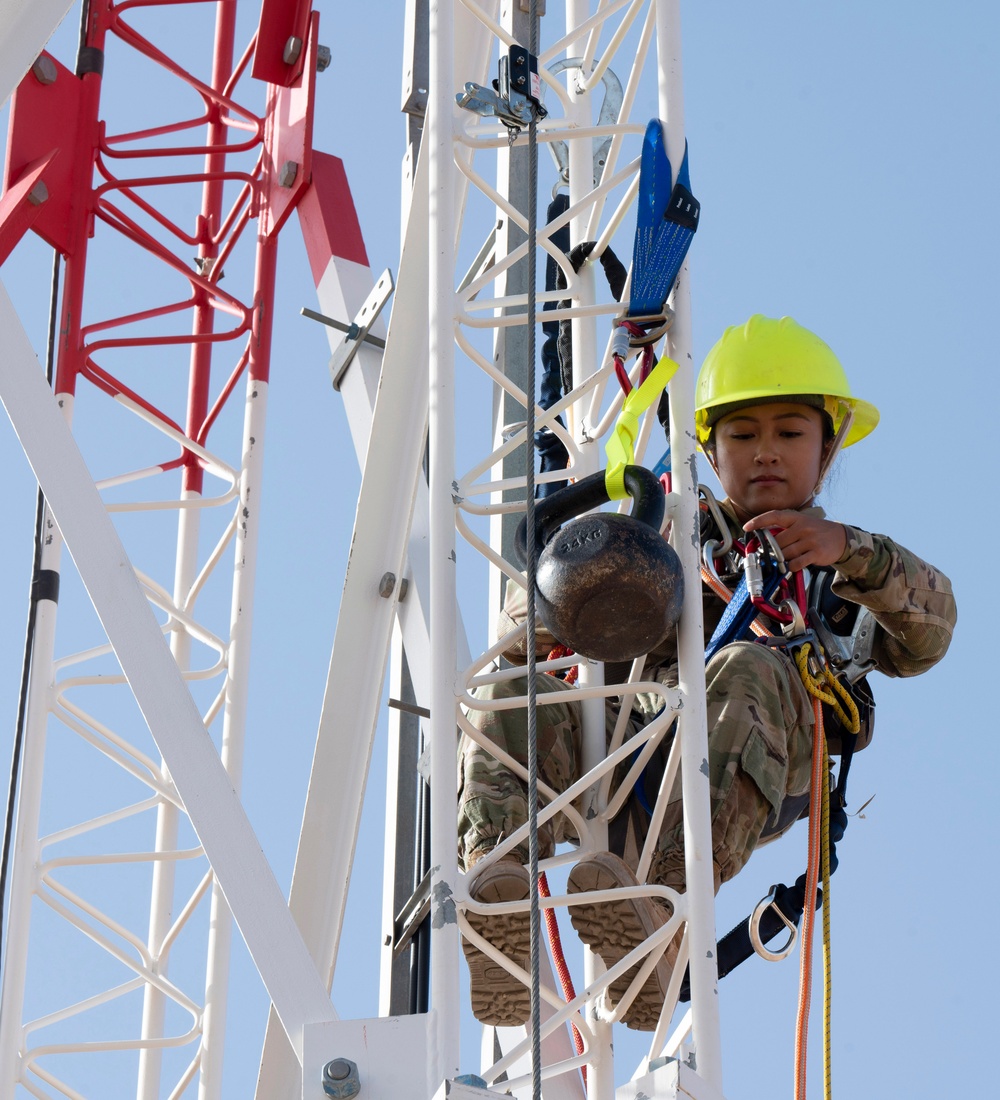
(667, 217)
(735, 621)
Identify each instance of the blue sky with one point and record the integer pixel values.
(845, 159)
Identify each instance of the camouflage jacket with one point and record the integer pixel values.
(912, 603)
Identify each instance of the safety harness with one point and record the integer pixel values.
(813, 629)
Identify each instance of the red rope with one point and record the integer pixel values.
(562, 970)
(555, 653)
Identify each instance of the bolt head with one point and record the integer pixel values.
(292, 50)
(340, 1078)
(44, 69)
(323, 58)
(289, 170)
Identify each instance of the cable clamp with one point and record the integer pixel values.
(516, 98)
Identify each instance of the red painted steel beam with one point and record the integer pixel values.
(45, 116)
(92, 187)
(281, 41)
(22, 203)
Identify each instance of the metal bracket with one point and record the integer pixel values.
(516, 100)
(343, 356)
(411, 916)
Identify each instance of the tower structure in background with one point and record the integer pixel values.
(131, 838)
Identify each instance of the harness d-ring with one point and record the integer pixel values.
(758, 943)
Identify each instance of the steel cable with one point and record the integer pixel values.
(530, 570)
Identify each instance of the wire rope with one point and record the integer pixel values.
(530, 571)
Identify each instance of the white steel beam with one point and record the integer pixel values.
(25, 27)
(213, 806)
(392, 475)
(692, 721)
(437, 155)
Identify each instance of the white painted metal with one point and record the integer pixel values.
(211, 803)
(26, 26)
(385, 399)
(699, 872)
(25, 850)
(639, 40)
(392, 472)
(672, 1081)
(167, 828)
(437, 152)
(392, 1054)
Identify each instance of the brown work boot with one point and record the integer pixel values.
(614, 928)
(498, 998)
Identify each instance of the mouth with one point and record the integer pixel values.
(767, 480)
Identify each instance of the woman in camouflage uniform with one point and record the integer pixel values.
(773, 408)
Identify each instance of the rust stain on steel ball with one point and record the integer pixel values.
(608, 587)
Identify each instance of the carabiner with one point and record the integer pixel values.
(767, 535)
(754, 929)
(795, 624)
(716, 513)
(754, 576)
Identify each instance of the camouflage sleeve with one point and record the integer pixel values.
(912, 601)
(512, 615)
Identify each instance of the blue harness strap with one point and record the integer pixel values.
(735, 621)
(667, 217)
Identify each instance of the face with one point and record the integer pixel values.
(769, 456)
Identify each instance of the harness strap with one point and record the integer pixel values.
(666, 220)
(735, 947)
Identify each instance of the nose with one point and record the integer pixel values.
(766, 454)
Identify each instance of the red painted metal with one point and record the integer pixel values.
(43, 118)
(282, 23)
(288, 164)
(327, 209)
(152, 195)
(92, 189)
(22, 202)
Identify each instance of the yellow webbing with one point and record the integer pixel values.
(620, 447)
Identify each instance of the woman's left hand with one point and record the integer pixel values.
(804, 540)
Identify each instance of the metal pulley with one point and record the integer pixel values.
(608, 585)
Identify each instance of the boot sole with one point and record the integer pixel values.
(498, 998)
(612, 929)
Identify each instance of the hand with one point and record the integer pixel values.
(649, 704)
(804, 540)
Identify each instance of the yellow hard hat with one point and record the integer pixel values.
(776, 360)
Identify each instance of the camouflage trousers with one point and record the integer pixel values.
(760, 747)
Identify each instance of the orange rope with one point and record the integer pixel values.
(808, 914)
(565, 978)
(725, 595)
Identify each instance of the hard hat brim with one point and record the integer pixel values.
(866, 416)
